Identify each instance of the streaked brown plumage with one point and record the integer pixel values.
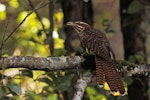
(95, 41)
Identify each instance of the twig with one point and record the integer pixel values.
(38, 16)
(15, 29)
(51, 14)
(3, 37)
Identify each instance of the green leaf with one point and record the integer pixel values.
(21, 1)
(52, 97)
(33, 96)
(14, 88)
(128, 80)
(46, 80)
(63, 83)
(135, 7)
(7, 98)
(90, 90)
(58, 52)
(49, 89)
(28, 73)
(2, 92)
(33, 40)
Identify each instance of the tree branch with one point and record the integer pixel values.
(37, 63)
(67, 62)
(60, 63)
(29, 13)
(80, 86)
(38, 16)
(49, 35)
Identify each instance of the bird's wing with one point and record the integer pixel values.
(98, 44)
(111, 52)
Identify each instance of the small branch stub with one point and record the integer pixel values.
(80, 86)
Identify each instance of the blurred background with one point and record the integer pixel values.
(44, 33)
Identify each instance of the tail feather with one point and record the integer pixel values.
(112, 77)
(100, 76)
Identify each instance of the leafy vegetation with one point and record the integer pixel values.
(31, 40)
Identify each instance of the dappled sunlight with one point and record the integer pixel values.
(94, 95)
(46, 22)
(38, 29)
(58, 42)
(17, 52)
(2, 11)
(55, 34)
(14, 3)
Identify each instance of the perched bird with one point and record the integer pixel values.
(95, 41)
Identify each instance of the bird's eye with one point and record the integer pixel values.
(79, 28)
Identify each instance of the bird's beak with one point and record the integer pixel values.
(77, 27)
(70, 24)
(73, 25)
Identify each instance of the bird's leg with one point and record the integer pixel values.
(86, 52)
(78, 72)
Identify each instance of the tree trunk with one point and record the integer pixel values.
(134, 44)
(75, 10)
(134, 40)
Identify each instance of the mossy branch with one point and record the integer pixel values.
(60, 63)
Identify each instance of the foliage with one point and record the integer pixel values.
(135, 7)
(31, 40)
(2, 12)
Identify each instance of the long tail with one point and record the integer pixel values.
(100, 75)
(112, 77)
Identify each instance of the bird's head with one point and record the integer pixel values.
(79, 26)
